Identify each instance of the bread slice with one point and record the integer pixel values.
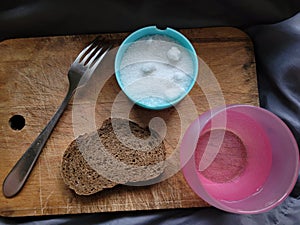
(119, 152)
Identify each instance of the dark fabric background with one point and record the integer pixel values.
(273, 25)
(22, 18)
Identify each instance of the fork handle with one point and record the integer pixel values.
(17, 177)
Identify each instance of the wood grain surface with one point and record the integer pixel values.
(33, 83)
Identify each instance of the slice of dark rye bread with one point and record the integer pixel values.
(93, 162)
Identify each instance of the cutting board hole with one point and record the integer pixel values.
(17, 122)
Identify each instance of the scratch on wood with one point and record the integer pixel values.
(46, 201)
(30, 81)
(68, 208)
(47, 162)
(40, 188)
(6, 138)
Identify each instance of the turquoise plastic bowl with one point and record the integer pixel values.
(153, 30)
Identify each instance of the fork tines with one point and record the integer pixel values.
(93, 53)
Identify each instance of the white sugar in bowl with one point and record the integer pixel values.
(156, 68)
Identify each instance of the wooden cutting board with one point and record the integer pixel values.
(33, 83)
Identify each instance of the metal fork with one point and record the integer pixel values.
(78, 75)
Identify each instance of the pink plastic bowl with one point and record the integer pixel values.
(240, 158)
